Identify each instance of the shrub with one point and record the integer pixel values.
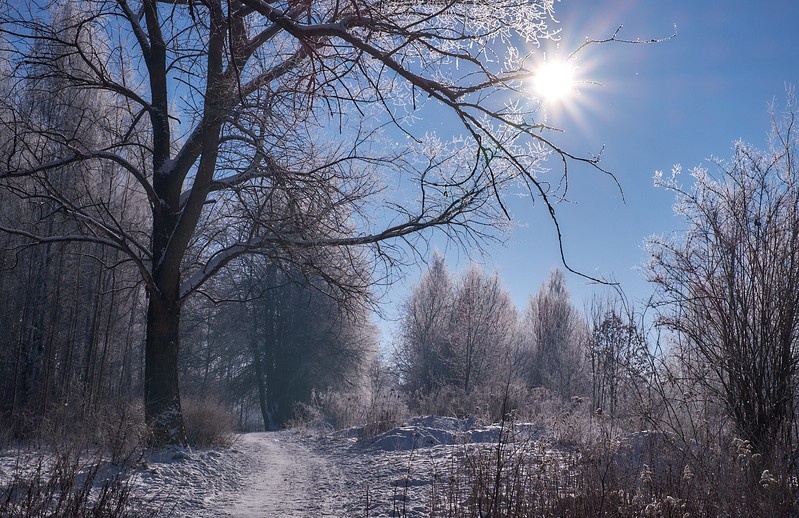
(373, 412)
(208, 423)
(516, 476)
(642, 474)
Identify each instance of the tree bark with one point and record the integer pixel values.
(161, 390)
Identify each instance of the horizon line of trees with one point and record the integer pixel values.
(462, 346)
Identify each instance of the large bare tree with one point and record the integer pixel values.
(226, 108)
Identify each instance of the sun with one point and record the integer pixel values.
(554, 80)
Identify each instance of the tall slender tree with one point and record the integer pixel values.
(423, 347)
(482, 330)
(66, 299)
(617, 355)
(555, 331)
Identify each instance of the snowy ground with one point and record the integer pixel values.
(305, 474)
(290, 473)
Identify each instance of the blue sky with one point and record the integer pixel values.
(680, 101)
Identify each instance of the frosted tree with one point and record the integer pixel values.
(554, 334)
(482, 330)
(224, 107)
(71, 313)
(457, 338)
(728, 283)
(422, 353)
(617, 355)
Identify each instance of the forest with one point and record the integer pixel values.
(201, 202)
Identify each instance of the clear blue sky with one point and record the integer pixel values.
(680, 101)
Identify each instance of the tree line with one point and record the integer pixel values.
(463, 346)
(711, 356)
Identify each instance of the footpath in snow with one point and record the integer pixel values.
(396, 473)
(284, 477)
(308, 474)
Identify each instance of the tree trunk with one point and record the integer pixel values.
(266, 414)
(162, 410)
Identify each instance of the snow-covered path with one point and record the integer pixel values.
(285, 478)
(411, 471)
(288, 474)
(406, 471)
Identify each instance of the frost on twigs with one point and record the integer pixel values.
(670, 181)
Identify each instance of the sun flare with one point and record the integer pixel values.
(554, 80)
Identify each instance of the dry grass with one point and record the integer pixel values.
(208, 422)
(612, 474)
(66, 485)
(373, 412)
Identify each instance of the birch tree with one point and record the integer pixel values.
(423, 348)
(555, 331)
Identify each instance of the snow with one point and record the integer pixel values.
(307, 473)
(426, 432)
(285, 477)
(182, 482)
